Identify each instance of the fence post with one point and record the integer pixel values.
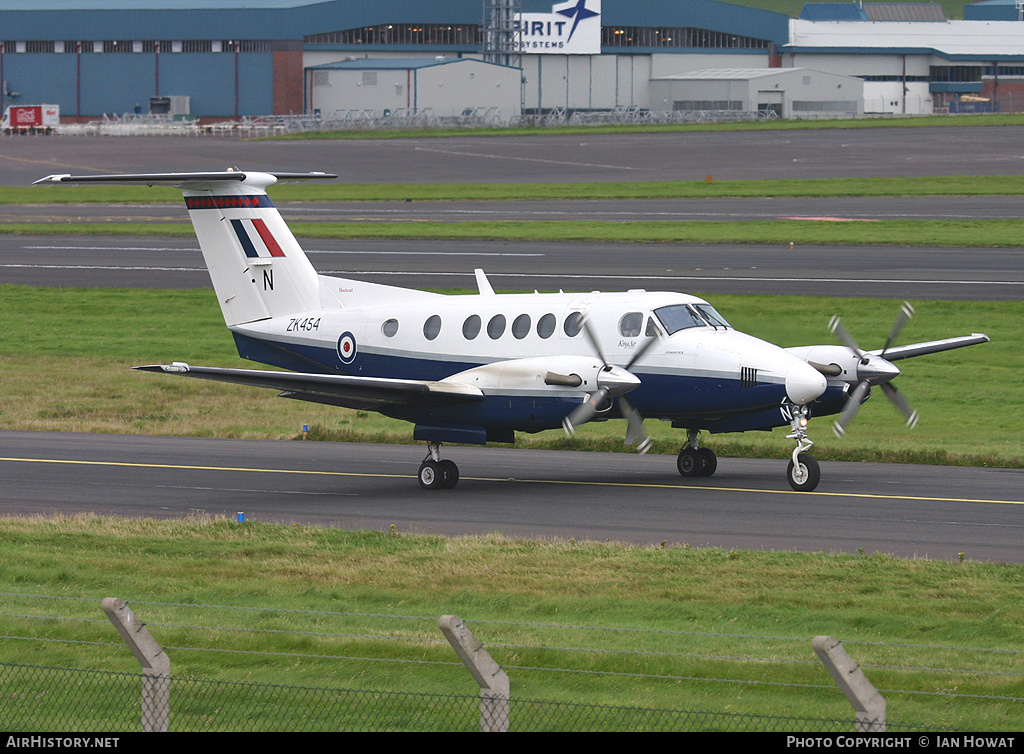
(864, 697)
(493, 682)
(156, 665)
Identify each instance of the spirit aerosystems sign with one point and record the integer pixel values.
(571, 28)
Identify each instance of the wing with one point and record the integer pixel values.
(895, 353)
(334, 389)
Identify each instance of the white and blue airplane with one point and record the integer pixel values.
(479, 368)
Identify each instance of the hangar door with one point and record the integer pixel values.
(770, 101)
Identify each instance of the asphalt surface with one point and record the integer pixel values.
(582, 157)
(906, 510)
(880, 272)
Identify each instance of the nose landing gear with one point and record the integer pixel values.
(803, 472)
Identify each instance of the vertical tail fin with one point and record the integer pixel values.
(257, 267)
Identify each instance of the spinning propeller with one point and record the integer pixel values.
(613, 382)
(871, 369)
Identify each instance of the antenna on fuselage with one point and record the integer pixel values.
(482, 283)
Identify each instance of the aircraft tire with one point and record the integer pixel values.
(804, 475)
(710, 461)
(431, 475)
(690, 463)
(451, 474)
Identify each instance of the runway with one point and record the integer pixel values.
(905, 510)
(747, 269)
(900, 509)
(583, 156)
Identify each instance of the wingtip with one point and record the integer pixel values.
(55, 178)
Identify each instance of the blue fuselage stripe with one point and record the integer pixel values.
(705, 402)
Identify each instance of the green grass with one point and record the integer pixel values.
(316, 191)
(942, 233)
(954, 9)
(98, 334)
(645, 622)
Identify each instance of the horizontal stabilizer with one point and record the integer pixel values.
(333, 389)
(175, 179)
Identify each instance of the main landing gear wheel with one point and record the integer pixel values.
(710, 461)
(435, 473)
(694, 462)
(438, 475)
(805, 474)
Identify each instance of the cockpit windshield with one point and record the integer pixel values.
(708, 312)
(682, 316)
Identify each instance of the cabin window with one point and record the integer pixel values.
(521, 326)
(573, 324)
(390, 328)
(546, 326)
(630, 324)
(471, 327)
(496, 326)
(432, 327)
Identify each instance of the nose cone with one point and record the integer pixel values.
(877, 370)
(616, 380)
(804, 383)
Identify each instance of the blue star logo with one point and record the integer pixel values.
(577, 13)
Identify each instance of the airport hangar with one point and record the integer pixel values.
(233, 58)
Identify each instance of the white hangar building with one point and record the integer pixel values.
(233, 58)
(446, 87)
(786, 92)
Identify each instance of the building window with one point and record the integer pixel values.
(403, 34)
(676, 36)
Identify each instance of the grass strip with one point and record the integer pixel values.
(961, 185)
(941, 233)
(98, 334)
(314, 606)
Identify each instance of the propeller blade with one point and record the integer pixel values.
(853, 404)
(592, 338)
(906, 312)
(900, 403)
(635, 434)
(643, 349)
(837, 329)
(584, 412)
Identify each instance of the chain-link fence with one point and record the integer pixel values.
(220, 667)
(42, 699)
(392, 120)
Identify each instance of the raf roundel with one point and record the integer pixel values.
(347, 348)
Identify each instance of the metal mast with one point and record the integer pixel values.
(501, 37)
